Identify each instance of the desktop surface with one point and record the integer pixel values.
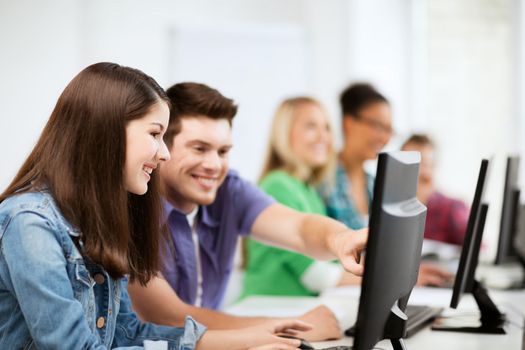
(509, 275)
(343, 301)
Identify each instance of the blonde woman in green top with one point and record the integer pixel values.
(300, 155)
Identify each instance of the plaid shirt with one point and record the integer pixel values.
(446, 219)
(339, 205)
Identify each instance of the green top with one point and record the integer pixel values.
(274, 271)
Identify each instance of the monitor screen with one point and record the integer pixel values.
(519, 239)
(463, 280)
(393, 252)
(509, 212)
(490, 320)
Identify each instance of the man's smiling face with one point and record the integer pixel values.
(199, 162)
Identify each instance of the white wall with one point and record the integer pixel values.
(470, 102)
(39, 54)
(519, 82)
(246, 59)
(448, 66)
(49, 41)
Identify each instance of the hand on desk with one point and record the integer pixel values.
(277, 346)
(267, 334)
(325, 325)
(261, 337)
(432, 275)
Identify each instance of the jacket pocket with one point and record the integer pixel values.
(82, 284)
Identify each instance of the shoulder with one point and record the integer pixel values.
(442, 200)
(233, 180)
(32, 208)
(237, 189)
(39, 203)
(283, 186)
(278, 178)
(286, 189)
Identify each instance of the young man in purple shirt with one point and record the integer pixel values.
(208, 206)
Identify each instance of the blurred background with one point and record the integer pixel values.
(451, 68)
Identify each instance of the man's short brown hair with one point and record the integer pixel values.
(193, 100)
(418, 139)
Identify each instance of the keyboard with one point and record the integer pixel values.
(418, 317)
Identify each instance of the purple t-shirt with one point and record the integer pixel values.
(233, 212)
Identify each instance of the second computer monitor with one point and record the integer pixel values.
(490, 320)
(393, 253)
(509, 213)
(468, 258)
(519, 239)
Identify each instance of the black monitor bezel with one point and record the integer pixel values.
(509, 211)
(465, 273)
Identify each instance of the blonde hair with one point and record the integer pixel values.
(279, 153)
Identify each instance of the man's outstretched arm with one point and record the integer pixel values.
(314, 235)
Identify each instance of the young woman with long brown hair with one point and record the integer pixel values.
(83, 215)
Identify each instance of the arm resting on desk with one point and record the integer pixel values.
(158, 303)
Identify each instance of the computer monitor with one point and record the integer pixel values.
(464, 279)
(393, 252)
(491, 320)
(519, 239)
(509, 213)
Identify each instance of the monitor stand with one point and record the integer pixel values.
(398, 344)
(395, 327)
(490, 322)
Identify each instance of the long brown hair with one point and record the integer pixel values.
(80, 159)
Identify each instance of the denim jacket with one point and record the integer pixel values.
(51, 298)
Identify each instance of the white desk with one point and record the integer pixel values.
(344, 303)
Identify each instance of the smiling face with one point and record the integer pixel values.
(368, 132)
(199, 162)
(310, 137)
(145, 148)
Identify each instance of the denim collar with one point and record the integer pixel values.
(71, 230)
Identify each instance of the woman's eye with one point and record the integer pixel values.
(155, 134)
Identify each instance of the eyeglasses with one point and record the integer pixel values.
(377, 125)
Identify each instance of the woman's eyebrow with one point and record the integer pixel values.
(159, 124)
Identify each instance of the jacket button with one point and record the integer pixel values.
(99, 278)
(101, 322)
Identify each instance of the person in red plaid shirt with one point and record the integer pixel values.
(446, 217)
